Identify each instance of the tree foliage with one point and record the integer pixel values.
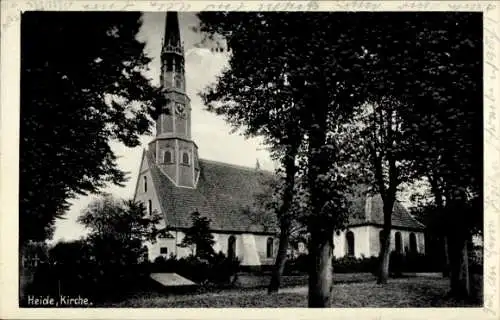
(119, 229)
(199, 237)
(421, 72)
(82, 85)
(294, 91)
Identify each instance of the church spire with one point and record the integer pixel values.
(172, 41)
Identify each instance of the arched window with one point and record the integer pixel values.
(231, 247)
(350, 243)
(413, 243)
(270, 247)
(150, 207)
(397, 239)
(167, 156)
(185, 158)
(145, 183)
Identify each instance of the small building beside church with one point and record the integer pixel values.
(363, 235)
(174, 181)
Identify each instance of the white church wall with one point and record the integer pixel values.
(361, 242)
(249, 256)
(171, 245)
(405, 240)
(254, 244)
(367, 243)
(250, 248)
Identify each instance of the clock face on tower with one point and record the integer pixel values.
(179, 109)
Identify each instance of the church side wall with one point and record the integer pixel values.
(248, 246)
(361, 242)
(367, 243)
(405, 240)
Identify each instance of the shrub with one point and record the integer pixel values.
(217, 269)
(356, 265)
(299, 264)
(74, 270)
(416, 262)
(224, 268)
(398, 263)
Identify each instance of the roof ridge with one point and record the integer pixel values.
(235, 166)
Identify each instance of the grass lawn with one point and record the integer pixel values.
(402, 293)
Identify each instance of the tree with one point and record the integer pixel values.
(303, 85)
(431, 63)
(82, 86)
(199, 237)
(277, 200)
(108, 260)
(448, 132)
(429, 210)
(384, 149)
(118, 230)
(273, 117)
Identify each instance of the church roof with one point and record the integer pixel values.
(368, 209)
(222, 194)
(224, 191)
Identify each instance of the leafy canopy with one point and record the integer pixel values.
(82, 86)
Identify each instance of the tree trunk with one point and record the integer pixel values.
(284, 216)
(384, 257)
(385, 253)
(279, 265)
(321, 272)
(459, 267)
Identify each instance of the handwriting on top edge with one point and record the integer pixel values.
(478, 5)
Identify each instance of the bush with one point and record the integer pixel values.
(416, 262)
(300, 264)
(73, 270)
(218, 269)
(355, 265)
(398, 263)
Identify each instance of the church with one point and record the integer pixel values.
(174, 181)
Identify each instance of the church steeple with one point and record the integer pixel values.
(172, 31)
(174, 150)
(177, 118)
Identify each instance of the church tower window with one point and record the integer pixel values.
(170, 64)
(167, 156)
(150, 207)
(185, 158)
(145, 183)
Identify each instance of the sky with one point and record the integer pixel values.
(210, 132)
